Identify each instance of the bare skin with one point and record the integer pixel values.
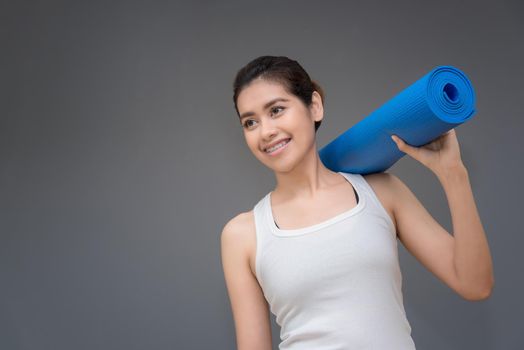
(308, 193)
(347, 200)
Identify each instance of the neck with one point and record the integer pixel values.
(305, 180)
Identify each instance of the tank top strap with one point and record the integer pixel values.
(263, 234)
(374, 203)
(259, 211)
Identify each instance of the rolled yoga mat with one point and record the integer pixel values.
(437, 102)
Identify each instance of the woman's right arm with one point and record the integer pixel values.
(249, 307)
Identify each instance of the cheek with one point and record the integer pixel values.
(302, 127)
(252, 143)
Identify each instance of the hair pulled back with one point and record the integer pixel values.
(280, 69)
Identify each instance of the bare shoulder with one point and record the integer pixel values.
(249, 306)
(383, 184)
(380, 180)
(240, 232)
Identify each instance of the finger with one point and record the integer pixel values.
(448, 133)
(401, 144)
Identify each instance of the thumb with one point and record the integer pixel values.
(402, 145)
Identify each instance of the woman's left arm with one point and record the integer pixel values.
(471, 255)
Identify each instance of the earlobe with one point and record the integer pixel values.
(319, 115)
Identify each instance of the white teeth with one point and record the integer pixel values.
(277, 146)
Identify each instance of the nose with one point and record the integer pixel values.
(268, 129)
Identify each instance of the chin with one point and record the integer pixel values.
(283, 167)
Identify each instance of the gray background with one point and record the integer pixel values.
(121, 158)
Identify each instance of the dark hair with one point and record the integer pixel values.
(286, 71)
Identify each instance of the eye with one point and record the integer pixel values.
(276, 108)
(246, 123)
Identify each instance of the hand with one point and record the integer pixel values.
(440, 155)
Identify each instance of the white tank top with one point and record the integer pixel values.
(336, 284)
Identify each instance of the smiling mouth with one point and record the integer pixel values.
(274, 149)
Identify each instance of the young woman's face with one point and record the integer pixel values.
(269, 115)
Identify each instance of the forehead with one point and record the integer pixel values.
(258, 92)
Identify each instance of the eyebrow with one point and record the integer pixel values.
(267, 105)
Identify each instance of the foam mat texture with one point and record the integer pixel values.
(439, 101)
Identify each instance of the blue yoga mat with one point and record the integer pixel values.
(439, 101)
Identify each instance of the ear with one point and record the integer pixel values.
(316, 107)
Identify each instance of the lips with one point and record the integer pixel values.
(276, 143)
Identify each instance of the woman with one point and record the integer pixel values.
(320, 250)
